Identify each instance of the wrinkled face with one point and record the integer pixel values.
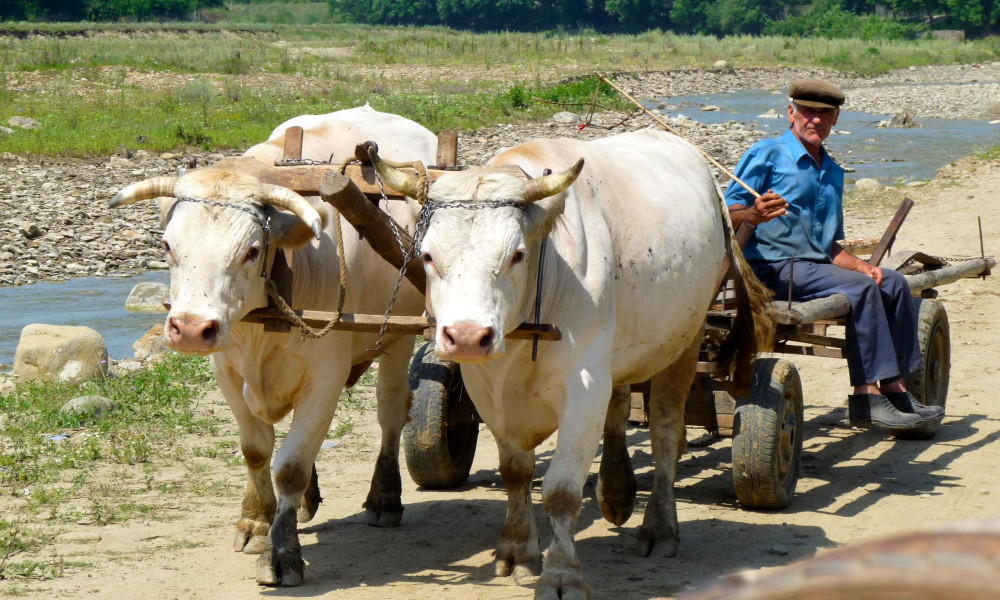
(215, 257)
(812, 125)
(477, 279)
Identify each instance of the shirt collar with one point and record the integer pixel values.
(797, 150)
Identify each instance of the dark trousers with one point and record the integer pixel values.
(882, 341)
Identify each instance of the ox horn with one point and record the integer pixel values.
(550, 185)
(396, 179)
(285, 198)
(144, 190)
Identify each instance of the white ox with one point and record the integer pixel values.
(635, 252)
(215, 249)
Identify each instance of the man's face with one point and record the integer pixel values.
(812, 124)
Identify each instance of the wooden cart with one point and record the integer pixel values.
(766, 424)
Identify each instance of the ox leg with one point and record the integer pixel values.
(257, 445)
(668, 395)
(562, 491)
(281, 561)
(518, 552)
(616, 485)
(311, 499)
(384, 505)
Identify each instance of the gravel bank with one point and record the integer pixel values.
(57, 224)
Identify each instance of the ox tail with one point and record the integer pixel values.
(753, 328)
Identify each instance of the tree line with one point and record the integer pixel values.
(886, 19)
(101, 10)
(897, 19)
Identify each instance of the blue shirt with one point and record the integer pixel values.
(815, 217)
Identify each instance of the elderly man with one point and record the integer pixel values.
(797, 222)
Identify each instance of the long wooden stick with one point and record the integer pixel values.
(664, 125)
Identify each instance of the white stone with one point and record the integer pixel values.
(720, 64)
(867, 183)
(147, 296)
(566, 117)
(60, 353)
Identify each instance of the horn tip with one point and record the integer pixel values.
(116, 201)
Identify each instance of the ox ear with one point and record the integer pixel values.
(290, 231)
(542, 214)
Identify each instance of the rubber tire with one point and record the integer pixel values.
(929, 384)
(438, 455)
(767, 436)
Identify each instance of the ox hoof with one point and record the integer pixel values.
(561, 586)
(284, 569)
(251, 536)
(383, 519)
(616, 504)
(665, 544)
(383, 510)
(509, 567)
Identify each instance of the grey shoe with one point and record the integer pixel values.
(905, 402)
(866, 410)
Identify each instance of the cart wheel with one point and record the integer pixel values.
(767, 436)
(929, 384)
(439, 441)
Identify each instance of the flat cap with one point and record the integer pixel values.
(817, 93)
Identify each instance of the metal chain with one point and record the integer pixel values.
(947, 260)
(419, 229)
(298, 162)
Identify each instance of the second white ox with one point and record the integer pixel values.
(215, 241)
(635, 251)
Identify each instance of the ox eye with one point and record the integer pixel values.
(517, 258)
(166, 246)
(252, 255)
(427, 258)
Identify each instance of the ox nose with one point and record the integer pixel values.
(193, 335)
(467, 340)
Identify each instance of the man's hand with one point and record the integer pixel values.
(765, 208)
(873, 272)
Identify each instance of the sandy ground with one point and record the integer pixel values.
(855, 485)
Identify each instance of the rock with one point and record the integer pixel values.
(147, 296)
(151, 344)
(710, 108)
(24, 123)
(168, 156)
(566, 117)
(117, 162)
(62, 353)
(993, 110)
(867, 184)
(902, 120)
(771, 114)
(6, 131)
(720, 64)
(97, 406)
(29, 230)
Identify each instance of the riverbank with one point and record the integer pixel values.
(59, 225)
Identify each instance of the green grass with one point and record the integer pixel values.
(170, 87)
(153, 408)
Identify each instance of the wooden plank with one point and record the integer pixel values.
(306, 179)
(293, 143)
(373, 224)
(945, 275)
(407, 325)
(890, 232)
(282, 277)
(447, 153)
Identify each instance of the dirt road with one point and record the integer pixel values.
(855, 484)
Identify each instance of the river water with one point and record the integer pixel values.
(95, 302)
(892, 156)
